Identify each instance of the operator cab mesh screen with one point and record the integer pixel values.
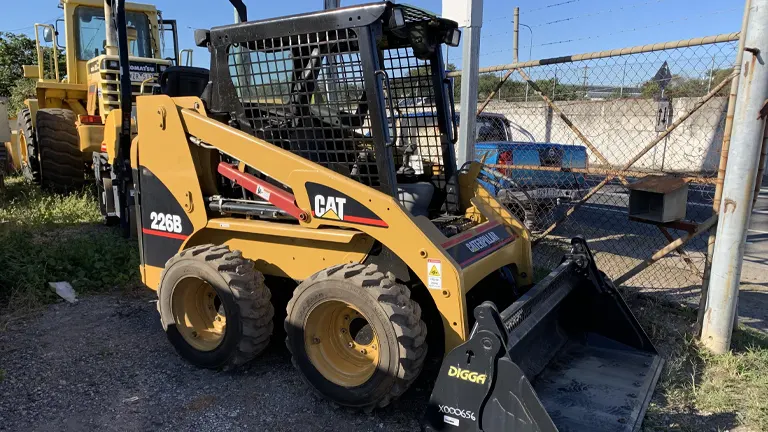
(305, 93)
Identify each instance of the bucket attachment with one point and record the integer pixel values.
(567, 356)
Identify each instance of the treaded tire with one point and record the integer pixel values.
(4, 165)
(395, 318)
(61, 162)
(245, 298)
(30, 168)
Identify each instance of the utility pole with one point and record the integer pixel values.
(516, 35)
(109, 28)
(469, 15)
(738, 187)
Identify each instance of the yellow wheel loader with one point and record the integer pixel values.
(285, 164)
(61, 131)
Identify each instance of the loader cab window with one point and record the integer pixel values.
(91, 33)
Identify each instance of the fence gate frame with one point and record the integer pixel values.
(621, 173)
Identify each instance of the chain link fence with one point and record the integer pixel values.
(563, 141)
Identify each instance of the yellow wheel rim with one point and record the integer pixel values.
(341, 344)
(199, 313)
(23, 147)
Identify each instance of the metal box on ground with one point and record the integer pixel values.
(658, 199)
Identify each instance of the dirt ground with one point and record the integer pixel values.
(105, 364)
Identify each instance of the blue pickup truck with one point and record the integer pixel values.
(530, 178)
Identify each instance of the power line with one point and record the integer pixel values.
(32, 26)
(616, 9)
(632, 29)
(553, 5)
(563, 3)
(572, 18)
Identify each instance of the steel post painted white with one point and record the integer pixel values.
(739, 185)
(469, 81)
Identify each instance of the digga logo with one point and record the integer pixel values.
(466, 375)
(329, 207)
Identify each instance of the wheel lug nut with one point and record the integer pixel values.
(373, 346)
(194, 334)
(351, 345)
(346, 317)
(343, 331)
(315, 340)
(363, 351)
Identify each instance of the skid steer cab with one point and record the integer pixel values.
(288, 175)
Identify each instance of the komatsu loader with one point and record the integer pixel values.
(286, 163)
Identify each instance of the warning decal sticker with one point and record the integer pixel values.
(434, 274)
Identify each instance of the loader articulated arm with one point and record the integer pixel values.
(567, 355)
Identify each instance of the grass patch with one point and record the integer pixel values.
(47, 237)
(699, 390)
(25, 206)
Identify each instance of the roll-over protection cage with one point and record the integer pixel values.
(332, 85)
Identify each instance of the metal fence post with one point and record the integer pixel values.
(470, 65)
(738, 186)
(727, 128)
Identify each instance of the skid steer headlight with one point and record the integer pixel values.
(398, 19)
(453, 38)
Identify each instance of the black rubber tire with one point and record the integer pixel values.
(245, 298)
(4, 165)
(395, 318)
(30, 168)
(61, 162)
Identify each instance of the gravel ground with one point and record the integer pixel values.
(105, 364)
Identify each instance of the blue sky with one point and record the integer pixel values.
(591, 25)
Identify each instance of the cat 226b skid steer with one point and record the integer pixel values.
(287, 162)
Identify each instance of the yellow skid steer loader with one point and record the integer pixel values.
(287, 161)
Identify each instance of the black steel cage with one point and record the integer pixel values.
(360, 90)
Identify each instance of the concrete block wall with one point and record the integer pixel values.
(619, 129)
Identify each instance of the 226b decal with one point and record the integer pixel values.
(165, 222)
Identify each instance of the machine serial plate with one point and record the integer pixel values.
(476, 243)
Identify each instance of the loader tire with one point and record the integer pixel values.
(61, 162)
(30, 167)
(214, 307)
(4, 163)
(355, 335)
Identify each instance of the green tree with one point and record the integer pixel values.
(15, 50)
(558, 91)
(680, 86)
(22, 89)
